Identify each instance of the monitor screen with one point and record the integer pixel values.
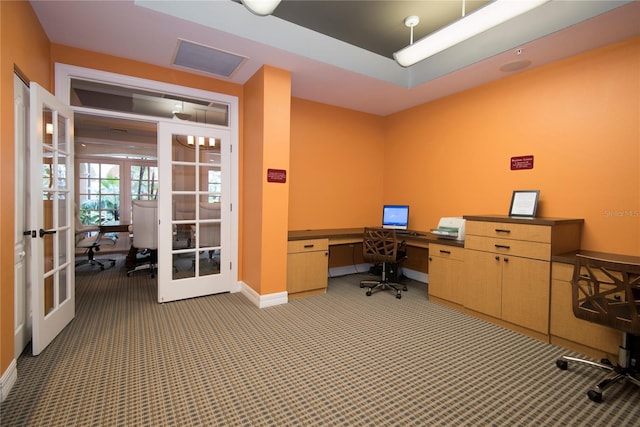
(395, 216)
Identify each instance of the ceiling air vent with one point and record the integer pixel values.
(206, 59)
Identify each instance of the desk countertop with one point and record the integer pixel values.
(421, 237)
(570, 257)
(524, 220)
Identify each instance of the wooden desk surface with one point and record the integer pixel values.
(339, 236)
(570, 257)
(114, 227)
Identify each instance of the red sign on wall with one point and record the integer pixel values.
(521, 162)
(277, 175)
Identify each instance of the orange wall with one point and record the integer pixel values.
(24, 44)
(336, 167)
(579, 118)
(266, 146)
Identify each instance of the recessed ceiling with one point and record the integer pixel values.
(343, 59)
(374, 25)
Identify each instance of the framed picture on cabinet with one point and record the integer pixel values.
(524, 203)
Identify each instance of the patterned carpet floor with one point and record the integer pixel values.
(340, 359)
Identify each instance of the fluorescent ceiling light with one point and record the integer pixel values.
(261, 7)
(493, 14)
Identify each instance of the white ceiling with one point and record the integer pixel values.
(325, 69)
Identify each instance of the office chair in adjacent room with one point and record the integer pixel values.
(380, 245)
(209, 231)
(608, 293)
(91, 239)
(145, 235)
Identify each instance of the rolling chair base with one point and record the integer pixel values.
(616, 374)
(94, 262)
(146, 262)
(372, 284)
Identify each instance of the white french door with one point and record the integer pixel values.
(194, 212)
(51, 216)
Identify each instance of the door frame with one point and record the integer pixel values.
(22, 282)
(65, 72)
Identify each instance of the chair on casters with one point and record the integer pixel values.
(90, 238)
(608, 293)
(380, 245)
(145, 234)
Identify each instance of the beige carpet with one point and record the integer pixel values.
(337, 359)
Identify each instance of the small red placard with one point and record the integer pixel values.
(277, 175)
(521, 162)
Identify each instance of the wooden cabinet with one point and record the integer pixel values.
(307, 265)
(483, 281)
(567, 330)
(508, 268)
(446, 273)
(525, 292)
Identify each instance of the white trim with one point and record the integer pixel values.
(8, 380)
(262, 301)
(415, 275)
(345, 270)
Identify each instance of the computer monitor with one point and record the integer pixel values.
(395, 216)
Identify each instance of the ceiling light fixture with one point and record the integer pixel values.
(493, 14)
(261, 7)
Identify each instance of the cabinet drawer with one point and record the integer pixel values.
(310, 245)
(535, 250)
(445, 251)
(506, 230)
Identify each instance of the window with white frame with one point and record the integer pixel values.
(106, 188)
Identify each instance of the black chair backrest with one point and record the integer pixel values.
(607, 292)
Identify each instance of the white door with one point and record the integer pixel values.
(22, 290)
(194, 212)
(51, 216)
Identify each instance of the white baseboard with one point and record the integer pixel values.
(349, 269)
(277, 298)
(364, 268)
(415, 275)
(8, 379)
(262, 301)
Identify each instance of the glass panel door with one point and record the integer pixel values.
(194, 211)
(51, 258)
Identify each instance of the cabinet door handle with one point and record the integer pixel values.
(430, 259)
(502, 230)
(506, 259)
(502, 247)
(445, 252)
(497, 258)
(309, 246)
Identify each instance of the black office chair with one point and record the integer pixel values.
(90, 239)
(380, 245)
(608, 293)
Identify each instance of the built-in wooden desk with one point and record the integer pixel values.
(312, 252)
(565, 329)
(342, 236)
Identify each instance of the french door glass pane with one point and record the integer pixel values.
(196, 191)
